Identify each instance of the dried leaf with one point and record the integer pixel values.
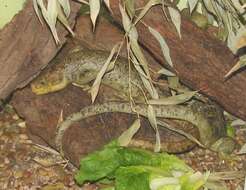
(181, 132)
(66, 7)
(129, 4)
(107, 3)
(163, 44)
(43, 9)
(192, 4)
(240, 64)
(152, 120)
(52, 18)
(242, 150)
(52, 13)
(137, 54)
(83, 1)
(94, 11)
(173, 100)
(176, 19)
(238, 122)
(62, 18)
(136, 51)
(35, 6)
(129, 28)
(127, 135)
(166, 72)
(146, 8)
(60, 119)
(95, 87)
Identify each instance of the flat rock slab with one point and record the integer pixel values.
(42, 114)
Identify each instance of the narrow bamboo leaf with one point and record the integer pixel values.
(245, 183)
(136, 51)
(62, 18)
(52, 18)
(35, 6)
(43, 10)
(60, 119)
(145, 79)
(52, 12)
(129, 4)
(94, 11)
(127, 135)
(152, 120)
(83, 1)
(192, 4)
(166, 72)
(95, 87)
(129, 28)
(66, 7)
(176, 19)
(163, 44)
(107, 3)
(240, 64)
(187, 135)
(238, 122)
(173, 100)
(242, 150)
(146, 8)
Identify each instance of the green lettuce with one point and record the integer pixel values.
(134, 169)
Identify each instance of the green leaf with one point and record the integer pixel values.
(132, 178)
(99, 164)
(105, 163)
(230, 131)
(94, 11)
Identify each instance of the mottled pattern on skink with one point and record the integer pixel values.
(81, 67)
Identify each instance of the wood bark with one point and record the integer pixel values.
(42, 112)
(26, 47)
(200, 60)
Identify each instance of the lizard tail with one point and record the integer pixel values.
(173, 111)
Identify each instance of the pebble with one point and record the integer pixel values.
(6, 160)
(18, 174)
(23, 136)
(22, 124)
(15, 117)
(21, 172)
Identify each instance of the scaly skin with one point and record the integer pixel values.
(82, 66)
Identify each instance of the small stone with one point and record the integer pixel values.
(6, 161)
(22, 124)
(18, 174)
(15, 117)
(23, 136)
